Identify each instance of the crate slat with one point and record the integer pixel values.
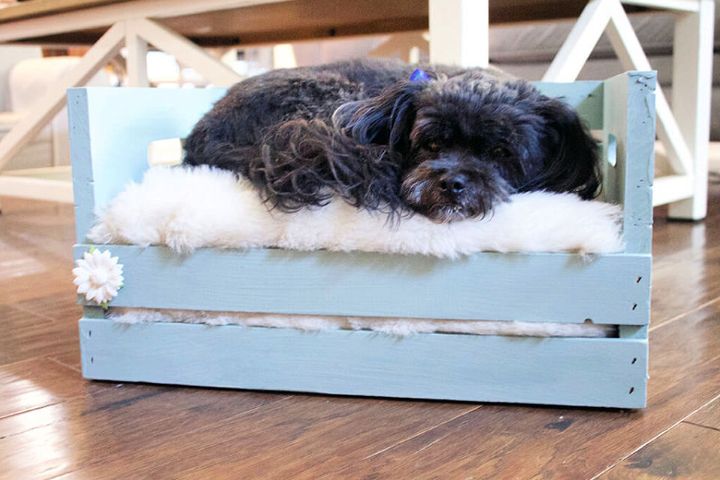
(585, 372)
(608, 289)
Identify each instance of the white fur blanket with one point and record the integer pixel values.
(187, 209)
(397, 327)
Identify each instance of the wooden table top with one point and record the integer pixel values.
(263, 22)
(39, 8)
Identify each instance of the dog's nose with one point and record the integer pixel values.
(454, 184)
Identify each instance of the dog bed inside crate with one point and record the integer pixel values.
(190, 208)
(610, 290)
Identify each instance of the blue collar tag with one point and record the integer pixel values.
(419, 75)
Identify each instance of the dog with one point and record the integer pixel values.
(443, 142)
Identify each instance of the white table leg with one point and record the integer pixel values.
(684, 130)
(459, 32)
(185, 51)
(581, 41)
(137, 49)
(53, 101)
(692, 88)
(136, 34)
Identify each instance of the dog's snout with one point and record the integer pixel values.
(453, 183)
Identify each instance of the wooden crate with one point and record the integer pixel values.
(111, 129)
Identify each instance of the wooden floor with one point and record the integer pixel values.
(54, 424)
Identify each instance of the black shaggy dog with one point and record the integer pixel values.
(444, 142)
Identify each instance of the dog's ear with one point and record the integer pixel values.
(383, 120)
(571, 154)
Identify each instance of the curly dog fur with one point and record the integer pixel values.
(448, 146)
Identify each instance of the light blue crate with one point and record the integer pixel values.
(110, 133)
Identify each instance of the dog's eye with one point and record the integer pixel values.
(432, 146)
(500, 152)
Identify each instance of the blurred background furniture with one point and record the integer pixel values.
(221, 41)
(39, 152)
(41, 169)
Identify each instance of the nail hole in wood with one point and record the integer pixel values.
(638, 280)
(89, 333)
(634, 306)
(632, 389)
(92, 359)
(634, 360)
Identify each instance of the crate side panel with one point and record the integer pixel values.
(588, 372)
(610, 289)
(79, 132)
(586, 97)
(629, 101)
(111, 129)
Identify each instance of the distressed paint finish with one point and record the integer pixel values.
(630, 118)
(110, 150)
(609, 289)
(587, 372)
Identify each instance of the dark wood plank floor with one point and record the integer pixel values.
(54, 424)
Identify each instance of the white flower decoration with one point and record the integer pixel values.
(98, 276)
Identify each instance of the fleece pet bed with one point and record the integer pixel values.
(398, 327)
(186, 209)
